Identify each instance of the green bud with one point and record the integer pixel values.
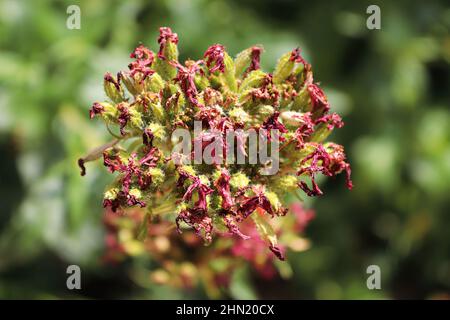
(154, 83)
(189, 170)
(204, 180)
(285, 183)
(218, 219)
(265, 229)
(134, 84)
(273, 199)
(216, 174)
(247, 60)
(228, 78)
(158, 176)
(136, 193)
(159, 133)
(135, 119)
(113, 88)
(163, 66)
(302, 101)
(181, 207)
(158, 111)
(239, 180)
(291, 118)
(321, 133)
(215, 202)
(111, 194)
(110, 112)
(242, 61)
(283, 69)
(201, 82)
(253, 80)
(261, 113)
(265, 110)
(238, 114)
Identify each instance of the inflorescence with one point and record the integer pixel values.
(158, 94)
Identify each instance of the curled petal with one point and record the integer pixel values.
(144, 59)
(109, 78)
(233, 228)
(198, 220)
(223, 187)
(332, 120)
(272, 123)
(256, 58)
(297, 57)
(186, 79)
(318, 98)
(278, 252)
(215, 54)
(97, 108)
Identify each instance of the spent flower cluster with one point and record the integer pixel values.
(158, 95)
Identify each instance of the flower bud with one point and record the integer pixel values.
(107, 111)
(274, 200)
(283, 69)
(158, 132)
(201, 82)
(247, 61)
(132, 82)
(302, 101)
(239, 180)
(168, 52)
(113, 88)
(228, 78)
(111, 194)
(286, 65)
(325, 126)
(292, 118)
(253, 80)
(135, 119)
(154, 83)
(285, 183)
(135, 193)
(239, 115)
(320, 133)
(157, 111)
(262, 112)
(158, 176)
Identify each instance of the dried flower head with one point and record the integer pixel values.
(159, 95)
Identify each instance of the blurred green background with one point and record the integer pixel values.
(391, 86)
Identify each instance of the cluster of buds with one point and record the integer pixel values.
(181, 261)
(158, 95)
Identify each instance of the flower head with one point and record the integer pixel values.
(158, 95)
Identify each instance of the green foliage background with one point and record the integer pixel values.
(391, 86)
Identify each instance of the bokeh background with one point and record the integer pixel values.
(391, 86)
